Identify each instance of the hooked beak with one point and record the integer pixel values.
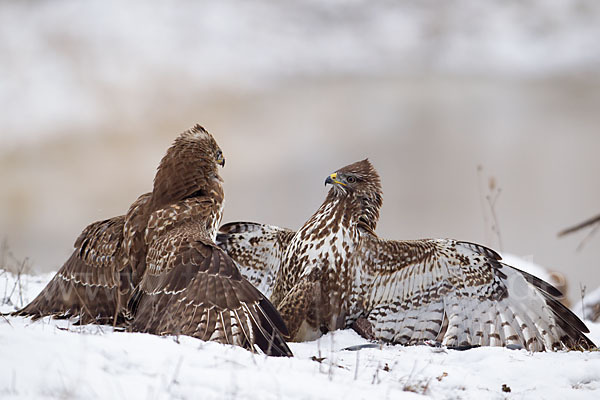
(221, 161)
(331, 179)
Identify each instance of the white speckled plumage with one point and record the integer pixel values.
(337, 273)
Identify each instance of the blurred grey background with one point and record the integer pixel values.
(451, 100)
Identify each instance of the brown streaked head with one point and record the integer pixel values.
(189, 167)
(357, 179)
(358, 183)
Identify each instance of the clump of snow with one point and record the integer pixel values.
(55, 360)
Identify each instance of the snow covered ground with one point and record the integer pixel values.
(53, 359)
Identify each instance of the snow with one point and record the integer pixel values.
(57, 360)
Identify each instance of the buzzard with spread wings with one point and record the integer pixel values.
(335, 272)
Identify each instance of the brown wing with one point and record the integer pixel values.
(257, 249)
(94, 283)
(192, 287)
(134, 230)
(460, 294)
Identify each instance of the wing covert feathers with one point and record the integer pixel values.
(458, 293)
(164, 248)
(93, 284)
(461, 294)
(257, 249)
(205, 296)
(334, 272)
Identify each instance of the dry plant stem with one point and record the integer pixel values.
(588, 237)
(18, 285)
(4, 298)
(3, 268)
(376, 375)
(8, 263)
(3, 253)
(419, 386)
(486, 222)
(330, 372)
(175, 374)
(492, 198)
(582, 290)
(319, 353)
(594, 221)
(356, 365)
(584, 224)
(5, 319)
(21, 290)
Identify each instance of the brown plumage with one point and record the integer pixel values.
(164, 248)
(335, 272)
(94, 283)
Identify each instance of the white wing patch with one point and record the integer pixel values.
(457, 293)
(257, 250)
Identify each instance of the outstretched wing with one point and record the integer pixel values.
(94, 282)
(192, 287)
(460, 294)
(257, 249)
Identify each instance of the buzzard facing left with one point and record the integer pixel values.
(157, 268)
(335, 272)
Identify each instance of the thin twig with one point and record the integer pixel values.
(376, 374)
(14, 288)
(3, 253)
(5, 300)
(175, 374)
(5, 319)
(20, 273)
(492, 203)
(356, 366)
(319, 353)
(580, 226)
(491, 198)
(330, 372)
(588, 237)
(486, 222)
(582, 290)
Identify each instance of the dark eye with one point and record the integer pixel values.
(351, 179)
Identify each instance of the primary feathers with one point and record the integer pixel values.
(335, 272)
(157, 268)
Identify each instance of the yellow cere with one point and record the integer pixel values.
(334, 178)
